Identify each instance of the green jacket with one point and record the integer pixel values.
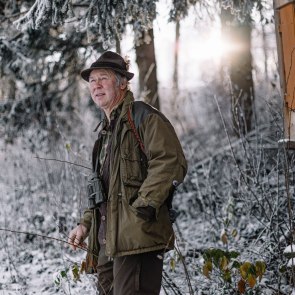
(132, 185)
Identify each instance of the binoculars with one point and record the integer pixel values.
(96, 194)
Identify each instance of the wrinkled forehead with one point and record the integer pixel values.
(102, 72)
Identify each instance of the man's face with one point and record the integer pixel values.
(104, 89)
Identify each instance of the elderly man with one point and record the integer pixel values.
(137, 162)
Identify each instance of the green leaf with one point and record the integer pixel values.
(233, 254)
(224, 238)
(236, 264)
(57, 281)
(244, 269)
(260, 268)
(252, 270)
(216, 255)
(82, 267)
(68, 146)
(212, 254)
(251, 281)
(75, 272)
(223, 263)
(283, 269)
(226, 222)
(207, 269)
(227, 276)
(172, 264)
(234, 233)
(63, 273)
(242, 286)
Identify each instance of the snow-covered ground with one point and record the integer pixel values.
(233, 186)
(46, 197)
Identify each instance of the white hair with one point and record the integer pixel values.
(120, 78)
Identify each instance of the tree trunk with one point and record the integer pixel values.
(176, 53)
(146, 61)
(118, 45)
(240, 70)
(265, 51)
(8, 87)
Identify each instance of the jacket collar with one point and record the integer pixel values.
(127, 101)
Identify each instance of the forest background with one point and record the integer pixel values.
(212, 68)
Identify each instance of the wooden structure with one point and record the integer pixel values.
(285, 31)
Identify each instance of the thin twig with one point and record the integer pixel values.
(290, 210)
(191, 292)
(235, 159)
(63, 161)
(46, 237)
(170, 283)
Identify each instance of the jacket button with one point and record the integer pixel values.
(103, 218)
(104, 241)
(175, 183)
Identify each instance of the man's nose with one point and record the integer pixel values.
(98, 83)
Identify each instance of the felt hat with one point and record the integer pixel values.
(109, 60)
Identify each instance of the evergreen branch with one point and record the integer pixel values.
(27, 15)
(63, 161)
(16, 51)
(80, 5)
(7, 17)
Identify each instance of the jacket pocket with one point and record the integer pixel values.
(131, 168)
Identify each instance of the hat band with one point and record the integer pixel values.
(103, 64)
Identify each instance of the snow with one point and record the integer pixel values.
(214, 199)
(289, 249)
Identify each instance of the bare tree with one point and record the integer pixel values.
(176, 54)
(146, 61)
(238, 32)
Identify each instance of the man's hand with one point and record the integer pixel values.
(77, 236)
(147, 213)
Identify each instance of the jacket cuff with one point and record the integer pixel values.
(86, 220)
(144, 202)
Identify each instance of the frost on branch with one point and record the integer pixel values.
(104, 21)
(107, 20)
(179, 10)
(240, 8)
(44, 12)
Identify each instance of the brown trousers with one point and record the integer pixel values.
(139, 274)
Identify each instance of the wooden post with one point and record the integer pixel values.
(285, 32)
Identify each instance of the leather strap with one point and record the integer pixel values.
(141, 145)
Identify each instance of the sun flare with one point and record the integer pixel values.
(213, 47)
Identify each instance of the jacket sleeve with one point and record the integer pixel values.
(86, 220)
(166, 161)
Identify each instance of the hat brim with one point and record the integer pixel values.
(86, 73)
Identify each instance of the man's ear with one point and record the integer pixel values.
(123, 84)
